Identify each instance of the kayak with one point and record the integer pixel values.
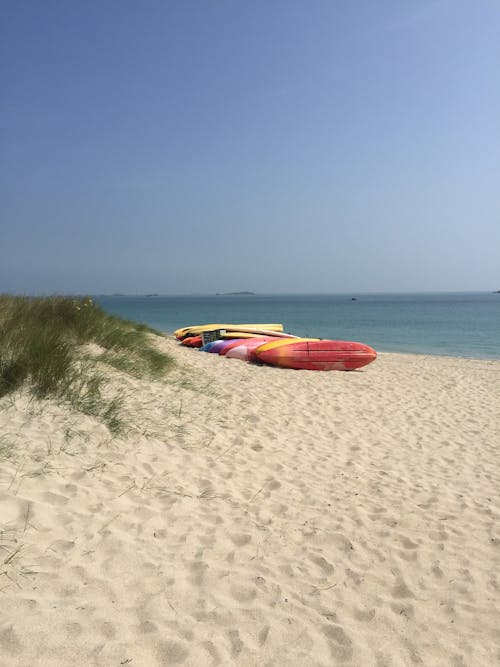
(245, 349)
(320, 355)
(200, 328)
(192, 341)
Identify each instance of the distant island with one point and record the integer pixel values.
(235, 294)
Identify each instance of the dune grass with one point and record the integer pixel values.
(42, 343)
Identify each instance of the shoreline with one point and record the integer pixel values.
(435, 323)
(440, 356)
(257, 515)
(170, 336)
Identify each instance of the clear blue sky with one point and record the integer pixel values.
(273, 146)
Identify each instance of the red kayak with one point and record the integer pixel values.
(318, 355)
(192, 341)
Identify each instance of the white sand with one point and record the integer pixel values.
(258, 516)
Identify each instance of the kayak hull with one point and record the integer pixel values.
(192, 341)
(319, 355)
(245, 349)
(200, 328)
(253, 333)
(230, 345)
(219, 345)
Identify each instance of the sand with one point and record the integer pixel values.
(257, 516)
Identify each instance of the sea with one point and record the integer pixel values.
(451, 324)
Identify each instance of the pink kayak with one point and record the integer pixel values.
(245, 349)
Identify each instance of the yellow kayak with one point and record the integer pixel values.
(198, 329)
(255, 333)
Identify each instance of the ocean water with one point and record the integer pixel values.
(453, 324)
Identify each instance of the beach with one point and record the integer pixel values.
(254, 515)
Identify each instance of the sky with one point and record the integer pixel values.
(204, 146)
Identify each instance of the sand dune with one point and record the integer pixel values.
(257, 516)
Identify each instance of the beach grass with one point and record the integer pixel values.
(43, 348)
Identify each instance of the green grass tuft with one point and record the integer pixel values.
(40, 347)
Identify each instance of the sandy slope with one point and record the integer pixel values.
(258, 516)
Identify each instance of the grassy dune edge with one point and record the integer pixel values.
(57, 347)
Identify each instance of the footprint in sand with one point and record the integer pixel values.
(323, 564)
(339, 642)
(54, 498)
(236, 643)
(240, 540)
(171, 653)
(10, 642)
